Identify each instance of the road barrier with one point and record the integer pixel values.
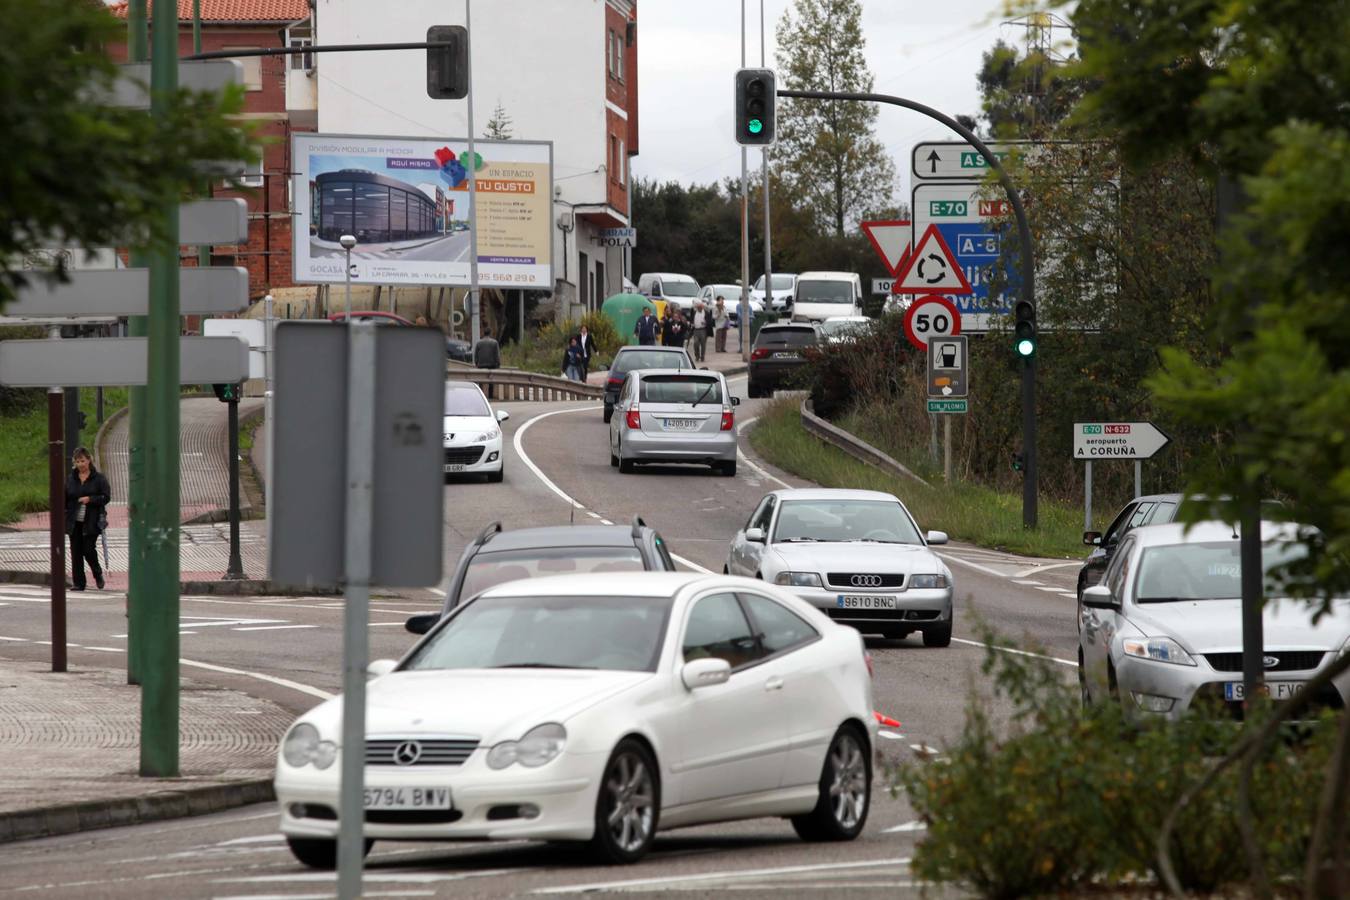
(853, 446)
(517, 384)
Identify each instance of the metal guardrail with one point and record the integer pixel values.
(517, 384)
(853, 446)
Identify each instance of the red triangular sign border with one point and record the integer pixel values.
(935, 234)
(876, 245)
(904, 263)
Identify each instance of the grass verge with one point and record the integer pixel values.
(23, 451)
(966, 512)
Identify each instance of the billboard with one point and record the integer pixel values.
(406, 200)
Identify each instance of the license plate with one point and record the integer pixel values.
(1280, 690)
(864, 601)
(786, 354)
(451, 467)
(681, 424)
(407, 798)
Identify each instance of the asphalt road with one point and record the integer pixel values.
(557, 470)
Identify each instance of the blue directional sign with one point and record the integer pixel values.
(968, 221)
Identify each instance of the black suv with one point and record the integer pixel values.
(1155, 509)
(498, 556)
(648, 356)
(780, 356)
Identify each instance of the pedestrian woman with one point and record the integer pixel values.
(572, 360)
(87, 496)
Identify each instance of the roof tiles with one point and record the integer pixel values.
(234, 10)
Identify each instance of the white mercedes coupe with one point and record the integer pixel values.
(858, 556)
(600, 709)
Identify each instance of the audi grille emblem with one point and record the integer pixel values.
(865, 580)
(407, 753)
(1270, 662)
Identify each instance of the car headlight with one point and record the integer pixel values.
(303, 746)
(539, 745)
(1158, 649)
(928, 581)
(798, 579)
(488, 435)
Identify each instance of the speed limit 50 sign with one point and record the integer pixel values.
(931, 317)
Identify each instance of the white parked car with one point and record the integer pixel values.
(856, 555)
(1162, 632)
(783, 286)
(731, 299)
(842, 329)
(600, 708)
(471, 433)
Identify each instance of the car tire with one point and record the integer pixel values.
(613, 459)
(497, 476)
(609, 412)
(845, 791)
(625, 466)
(1084, 695)
(752, 390)
(320, 853)
(630, 791)
(727, 469)
(939, 635)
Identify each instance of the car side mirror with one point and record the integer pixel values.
(937, 537)
(380, 667)
(502, 415)
(1099, 597)
(421, 624)
(1092, 538)
(735, 401)
(703, 673)
(755, 535)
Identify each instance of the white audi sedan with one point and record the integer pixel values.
(858, 556)
(472, 434)
(600, 709)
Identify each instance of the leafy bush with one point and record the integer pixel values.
(543, 350)
(1070, 797)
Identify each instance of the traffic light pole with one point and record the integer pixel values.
(235, 570)
(1028, 270)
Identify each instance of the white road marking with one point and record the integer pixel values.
(271, 679)
(253, 839)
(273, 627)
(976, 566)
(1025, 583)
(726, 874)
(1037, 569)
(1070, 594)
(916, 825)
(1050, 590)
(750, 462)
(322, 896)
(890, 735)
(14, 639)
(369, 876)
(548, 483)
(1056, 659)
(437, 591)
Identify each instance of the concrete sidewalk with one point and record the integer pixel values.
(70, 748)
(728, 363)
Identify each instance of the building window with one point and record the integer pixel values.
(623, 162)
(613, 158)
(618, 58)
(609, 53)
(253, 175)
(303, 61)
(252, 69)
(374, 208)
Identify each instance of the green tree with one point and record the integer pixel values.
(828, 155)
(1025, 95)
(499, 126)
(75, 171)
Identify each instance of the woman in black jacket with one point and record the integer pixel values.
(87, 495)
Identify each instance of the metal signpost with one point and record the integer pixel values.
(948, 387)
(1114, 440)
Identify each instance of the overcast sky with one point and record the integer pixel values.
(689, 50)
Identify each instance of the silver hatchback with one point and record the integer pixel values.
(674, 416)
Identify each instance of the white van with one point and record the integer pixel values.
(825, 295)
(669, 286)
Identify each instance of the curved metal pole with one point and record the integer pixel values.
(1028, 271)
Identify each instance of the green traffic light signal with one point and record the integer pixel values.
(1026, 347)
(755, 93)
(755, 126)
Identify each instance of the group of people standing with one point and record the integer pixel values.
(676, 330)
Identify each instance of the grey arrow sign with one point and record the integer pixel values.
(132, 89)
(101, 362)
(213, 290)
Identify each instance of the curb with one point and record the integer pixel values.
(854, 446)
(153, 807)
(244, 587)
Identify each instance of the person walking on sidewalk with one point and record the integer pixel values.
(87, 495)
(646, 328)
(572, 360)
(721, 321)
(587, 345)
(699, 336)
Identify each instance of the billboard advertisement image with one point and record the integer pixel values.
(406, 201)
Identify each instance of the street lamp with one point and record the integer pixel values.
(348, 241)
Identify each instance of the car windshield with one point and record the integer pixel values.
(780, 283)
(825, 291)
(461, 401)
(803, 336)
(649, 359)
(842, 327)
(491, 569)
(615, 633)
(883, 521)
(680, 288)
(1205, 571)
(680, 389)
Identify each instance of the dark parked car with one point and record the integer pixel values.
(780, 356)
(1155, 509)
(640, 357)
(498, 556)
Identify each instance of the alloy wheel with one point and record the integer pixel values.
(632, 797)
(848, 785)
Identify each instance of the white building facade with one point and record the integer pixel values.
(563, 71)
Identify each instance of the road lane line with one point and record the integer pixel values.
(1037, 569)
(1055, 659)
(568, 498)
(726, 874)
(273, 627)
(916, 825)
(750, 462)
(1024, 582)
(976, 566)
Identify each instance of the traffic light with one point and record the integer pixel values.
(448, 67)
(755, 107)
(1024, 329)
(227, 393)
(1019, 462)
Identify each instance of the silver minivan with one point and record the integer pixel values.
(674, 416)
